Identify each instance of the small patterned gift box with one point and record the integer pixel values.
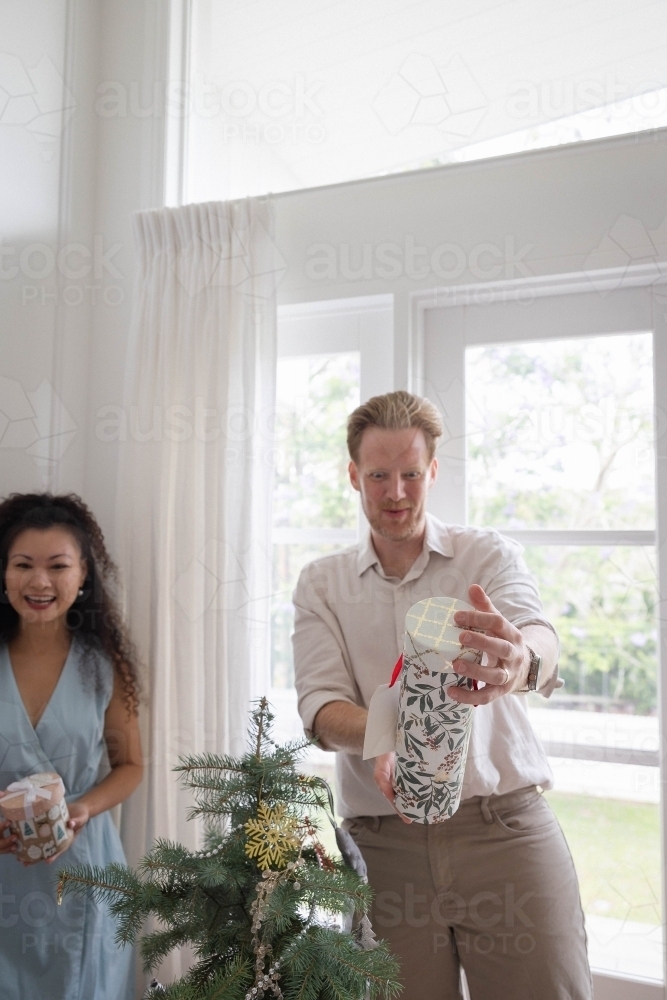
(37, 811)
(430, 730)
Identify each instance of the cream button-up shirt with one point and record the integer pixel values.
(348, 634)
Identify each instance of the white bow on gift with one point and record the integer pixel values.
(33, 791)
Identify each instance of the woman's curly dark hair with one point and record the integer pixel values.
(95, 618)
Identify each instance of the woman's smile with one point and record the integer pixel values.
(38, 603)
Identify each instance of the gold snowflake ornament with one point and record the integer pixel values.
(271, 836)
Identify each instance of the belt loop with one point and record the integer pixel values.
(486, 812)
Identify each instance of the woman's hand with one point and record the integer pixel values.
(8, 840)
(79, 814)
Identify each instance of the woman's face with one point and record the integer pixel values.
(44, 573)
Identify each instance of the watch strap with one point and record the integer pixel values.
(533, 671)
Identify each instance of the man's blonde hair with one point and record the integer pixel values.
(395, 411)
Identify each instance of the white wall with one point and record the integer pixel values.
(71, 196)
(33, 99)
(129, 177)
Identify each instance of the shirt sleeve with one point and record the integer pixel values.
(322, 668)
(512, 589)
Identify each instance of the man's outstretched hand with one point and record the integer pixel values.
(508, 659)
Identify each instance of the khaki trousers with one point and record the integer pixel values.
(493, 889)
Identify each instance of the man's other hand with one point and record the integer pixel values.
(383, 774)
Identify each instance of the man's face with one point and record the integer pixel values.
(393, 475)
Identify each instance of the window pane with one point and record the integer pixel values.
(560, 434)
(602, 602)
(616, 850)
(314, 397)
(288, 561)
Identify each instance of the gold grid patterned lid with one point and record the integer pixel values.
(431, 624)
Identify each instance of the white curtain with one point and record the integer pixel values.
(195, 487)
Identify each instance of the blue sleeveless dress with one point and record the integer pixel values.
(47, 951)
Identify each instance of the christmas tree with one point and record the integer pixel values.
(258, 903)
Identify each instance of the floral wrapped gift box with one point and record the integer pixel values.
(36, 809)
(428, 729)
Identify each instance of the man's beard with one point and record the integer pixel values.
(400, 531)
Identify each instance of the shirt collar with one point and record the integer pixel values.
(366, 555)
(436, 539)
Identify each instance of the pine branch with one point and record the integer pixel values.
(89, 878)
(332, 891)
(321, 955)
(263, 707)
(307, 985)
(217, 765)
(167, 856)
(116, 885)
(204, 983)
(233, 983)
(235, 801)
(157, 945)
(168, 859)
(282, 912)
(230, 984)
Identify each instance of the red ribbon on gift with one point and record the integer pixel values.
(397, 670)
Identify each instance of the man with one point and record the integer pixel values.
(493, 888)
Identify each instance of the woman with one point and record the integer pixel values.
(68, 703)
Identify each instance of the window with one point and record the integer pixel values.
(560, 455)
(315, 508)
(552, 442)
(331, 355)
(560, 434)
(289, 96)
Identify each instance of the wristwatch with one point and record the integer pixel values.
(533, 671)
